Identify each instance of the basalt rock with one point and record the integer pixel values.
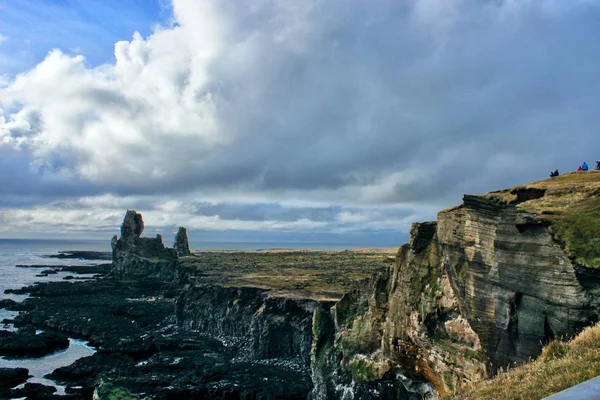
(11, 377)
(139, 257)
(26, 343)
(181, 245)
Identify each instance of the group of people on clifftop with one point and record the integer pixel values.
(582, 168)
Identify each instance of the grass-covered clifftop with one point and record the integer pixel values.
(560, 366)
(571, 205)
(324, 275)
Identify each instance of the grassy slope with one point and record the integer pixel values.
(561, 365)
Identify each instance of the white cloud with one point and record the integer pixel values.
(314, 103)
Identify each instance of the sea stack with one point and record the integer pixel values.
(181, 244)
(134, 256)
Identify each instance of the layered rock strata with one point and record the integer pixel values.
(482, 288)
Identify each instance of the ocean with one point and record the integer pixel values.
(31, 252)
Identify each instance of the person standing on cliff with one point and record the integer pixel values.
(597, 165)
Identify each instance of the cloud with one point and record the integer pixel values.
(340, 105)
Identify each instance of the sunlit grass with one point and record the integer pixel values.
(560, 366)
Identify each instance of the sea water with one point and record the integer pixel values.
(32, 252)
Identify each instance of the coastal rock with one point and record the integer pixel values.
(26, 343)
(136, 257)
(7, 303)
(81, 255)
(181, 245)
(11, 377)
(268, 327)
(516, 286)
(33, 391)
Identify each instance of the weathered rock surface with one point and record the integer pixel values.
(26, 343)
(484, 287)
(181, 244)
(32, 391)
(141, 346)
(515, 284)
(268, 327)
(11, 377)
(137, 257)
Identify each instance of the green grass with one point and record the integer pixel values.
(560, 366)
(579, 228)
(109, 391)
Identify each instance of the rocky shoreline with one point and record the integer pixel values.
(133, 328)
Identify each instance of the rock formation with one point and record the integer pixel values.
(482, 288)
(181, 244)
(135, 257)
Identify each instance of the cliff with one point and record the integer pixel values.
(483, 287)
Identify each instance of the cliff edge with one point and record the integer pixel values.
(484, 287)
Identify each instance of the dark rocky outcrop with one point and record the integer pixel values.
(26, 343)
(268, 327)
(81, 255)
(138, 257)
(181, 244)
(11, 377)
(33, 391)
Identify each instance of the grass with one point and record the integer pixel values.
(560, 366)
(109, 391)
(319, 275)
(579, 228)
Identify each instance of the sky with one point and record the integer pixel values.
(338, 121)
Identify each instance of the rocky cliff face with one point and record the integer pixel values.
(515, 284)
(263, 327)
(482, 288)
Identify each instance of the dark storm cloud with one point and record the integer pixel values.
(21, 185)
